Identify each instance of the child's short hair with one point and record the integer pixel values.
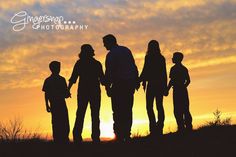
(54, 66)
(178, 56)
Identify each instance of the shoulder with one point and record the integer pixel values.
(61, 77)
(184, 68)
(98, 63)
(163, 58)
(48, 79)
(124, 47)
(78, 62)
(46, 83)
(172, 68)
(120, 48)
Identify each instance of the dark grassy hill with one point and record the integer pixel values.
(207, 141)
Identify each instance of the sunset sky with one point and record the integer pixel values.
(204, 30)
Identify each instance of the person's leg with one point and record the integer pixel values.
(115, 109)
(126, 93)
(55, 128)
(55, 121)
(95, 102)
(129, 116)
(65, 125)
(150, 112)
(161, 114)
(187, 114)
(178, 110)
(79, 122)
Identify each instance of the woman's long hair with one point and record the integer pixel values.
(153, 48)
(86, 52)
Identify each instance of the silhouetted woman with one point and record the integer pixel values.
(154, 73)
(91, 75)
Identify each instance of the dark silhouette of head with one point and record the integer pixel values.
(109, 41)
(55, 67)
(86, 52)
(153, 48)
(177, 57)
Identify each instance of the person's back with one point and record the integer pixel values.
(89, 71)
(155, 71)
(56, 87)
(90, 74)
(121, 61)
(179, 75)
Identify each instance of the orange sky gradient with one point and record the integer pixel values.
(204, 30)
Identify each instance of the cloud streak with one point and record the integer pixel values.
(202, 30)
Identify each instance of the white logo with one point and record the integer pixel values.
(45, 22)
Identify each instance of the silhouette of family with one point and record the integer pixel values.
(121, 79)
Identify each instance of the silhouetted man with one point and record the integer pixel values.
(121, 75)
(179, 81)
(154, 72)
(56, 91)
(91, 75)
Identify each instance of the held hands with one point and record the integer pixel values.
(48, 108)
(137, 86)
(144, 85)
(166, 92)
(68, 94)
(109, 91)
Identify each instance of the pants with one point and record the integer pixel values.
(155, 126)
(83, 100)
(122, 103)
(181, 108)
(60, 122)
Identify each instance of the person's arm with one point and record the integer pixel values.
(142, 77)
(187, 82)
(164, 74)
(137, 81)
(109, 67)
(108, 74)
(101, 75)
(74, 75)
(48, 107)
(170, 84)
(66, 89)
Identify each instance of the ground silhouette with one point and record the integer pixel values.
(206, 141)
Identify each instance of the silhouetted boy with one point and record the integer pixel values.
(179, 81)
(91, 75)
(56, 91)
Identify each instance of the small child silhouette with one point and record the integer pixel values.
(56, 91)
(179, 80)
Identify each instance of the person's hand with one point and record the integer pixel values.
(48, 108)
(108, 90)
(166, 93)
(144, 85)
(68, 94)
(137, 86)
